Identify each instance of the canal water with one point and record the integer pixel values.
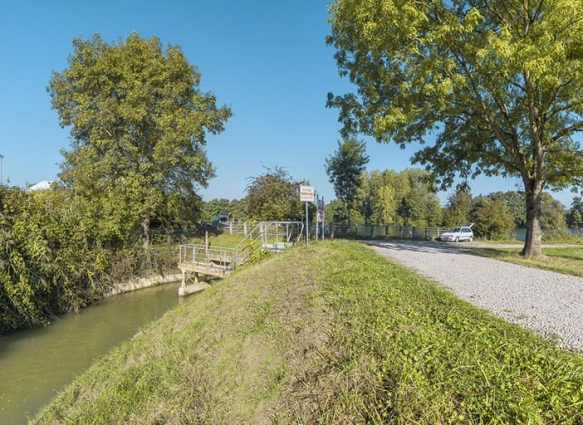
(36, 364)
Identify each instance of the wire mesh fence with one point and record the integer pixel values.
(380, 231)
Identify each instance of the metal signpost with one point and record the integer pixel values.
(307, 195)
(320, 216)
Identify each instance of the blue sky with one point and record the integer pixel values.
(266, 59)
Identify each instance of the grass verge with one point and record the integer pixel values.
(566, 260)
(330, 334)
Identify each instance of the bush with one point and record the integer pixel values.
(493, 220)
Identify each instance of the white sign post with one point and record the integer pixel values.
(307, 195)
(320, 216)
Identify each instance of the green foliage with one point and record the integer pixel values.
(575, 215)
(382, 192)
(492, 219)
(138, 123)
(331, 334)
(407, 197)
(552, 213)
(500, 86)
(515, 205)
(335, 211)
(235, 209)
(458, 208)
(274, 195)
(344, 169)
(49, 261)
(55, 259)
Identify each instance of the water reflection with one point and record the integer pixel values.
(36, 364)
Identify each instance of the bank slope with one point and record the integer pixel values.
(330, 334)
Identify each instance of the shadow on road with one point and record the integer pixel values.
(423, 246)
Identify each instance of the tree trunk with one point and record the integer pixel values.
(533, 238)
(147, 259)
(146, 233)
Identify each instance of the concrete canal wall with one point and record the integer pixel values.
(141, 283)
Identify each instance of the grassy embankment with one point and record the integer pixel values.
(330, 334)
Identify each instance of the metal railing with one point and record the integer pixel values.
(219, 257)
(272, 235)
(385, 231)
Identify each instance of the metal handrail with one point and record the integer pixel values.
(281, 232)
(267, 230)
(228, 258)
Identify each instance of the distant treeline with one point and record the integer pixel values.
(406, 198)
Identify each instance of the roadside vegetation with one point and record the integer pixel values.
(566, 260)
(330, 334)
(55, 260)
(128, 179)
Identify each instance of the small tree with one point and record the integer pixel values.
(575, 215)
(274, 195)
(459, 207)
(344, 169)
(552, 213)
(492, 218)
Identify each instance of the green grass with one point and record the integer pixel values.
(330, 334)
(225, 240)
(566, 260)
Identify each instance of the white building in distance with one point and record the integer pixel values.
(44, 185)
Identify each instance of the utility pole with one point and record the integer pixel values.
(1, 158)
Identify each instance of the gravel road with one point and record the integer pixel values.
(548, 303)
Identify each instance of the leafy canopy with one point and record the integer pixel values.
(344, 169)
(406, 197)
(499, 83)
(138, 128)
(274, 196)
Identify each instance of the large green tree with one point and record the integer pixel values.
(138, 124)
(344, 169)
(498, 82)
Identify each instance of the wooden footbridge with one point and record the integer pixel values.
(198, 260)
